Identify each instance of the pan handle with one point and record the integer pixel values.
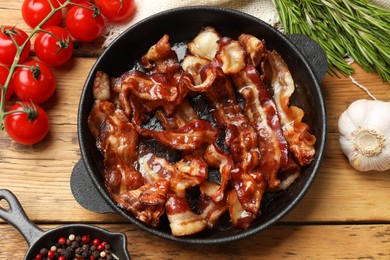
(16, 216)
(313, 53)
(85, 191)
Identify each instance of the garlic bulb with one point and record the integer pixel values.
(365, 134)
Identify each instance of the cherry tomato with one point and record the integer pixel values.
(3, 77)
(34, 11)
(117, 10)
(84, 23)
(26, 129)
(54, 47)
(36, 82)
(7, 46)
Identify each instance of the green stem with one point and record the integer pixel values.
(354, 27)
(19, 50)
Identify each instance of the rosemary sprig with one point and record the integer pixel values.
(357, 28)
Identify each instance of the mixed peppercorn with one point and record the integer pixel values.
(77, 247)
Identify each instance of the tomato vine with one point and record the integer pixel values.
(33, 81)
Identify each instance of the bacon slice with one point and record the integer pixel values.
(254, 47)
(153, 167)
(221, 95)
(98, 114)
(118, 142)
(250, 188)
(182, 116)
(231, 57)
(205, 44)
(218, 159)
(101, 86)
(240, 137)
(147, 203)
(262, 113)
(154, 87)
(191, 171)
(239, 216)
(193, 64)
(288, 174)
(181, 219)
(213, 156)
(187, 138)
(301, 142)
(209, 209)
(160, 58)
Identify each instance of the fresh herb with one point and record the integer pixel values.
(355, 28)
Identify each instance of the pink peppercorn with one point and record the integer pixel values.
(96, 241)
(62, 240)
(50, 254)
(85, 239)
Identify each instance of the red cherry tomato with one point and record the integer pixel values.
(84, 23)
(117, 10)
(7, 46)
(55, 47)
(35, 82)
(23, 129)
(34, 11)
(3, 77)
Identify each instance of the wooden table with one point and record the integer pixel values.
(345, 214)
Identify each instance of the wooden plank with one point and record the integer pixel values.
(293, 242)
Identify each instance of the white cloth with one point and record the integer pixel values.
(262, 9)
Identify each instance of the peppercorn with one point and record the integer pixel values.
(75, 244)
(43, 251)
(76, 247)
(85, 239)
(72, 237)
(62, 240)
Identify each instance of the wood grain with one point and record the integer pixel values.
(279, 242)
(344, 215)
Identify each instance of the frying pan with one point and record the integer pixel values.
(307, 63)
(37, 238)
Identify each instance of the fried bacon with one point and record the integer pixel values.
(240, 136)
(255, 49)
(250, 188)
(213, 156)
(147, 203)
(181, 219)
(160, 58)
(154, 87)
(252, 159)
(101, 86)
(300, 141)
(231, 57)
(239, 216)
(261, 112)
(187, 138)
(209, 209)
(205, 44)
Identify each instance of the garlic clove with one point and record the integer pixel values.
(378, 117)
(365, 135)
(358, 113)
